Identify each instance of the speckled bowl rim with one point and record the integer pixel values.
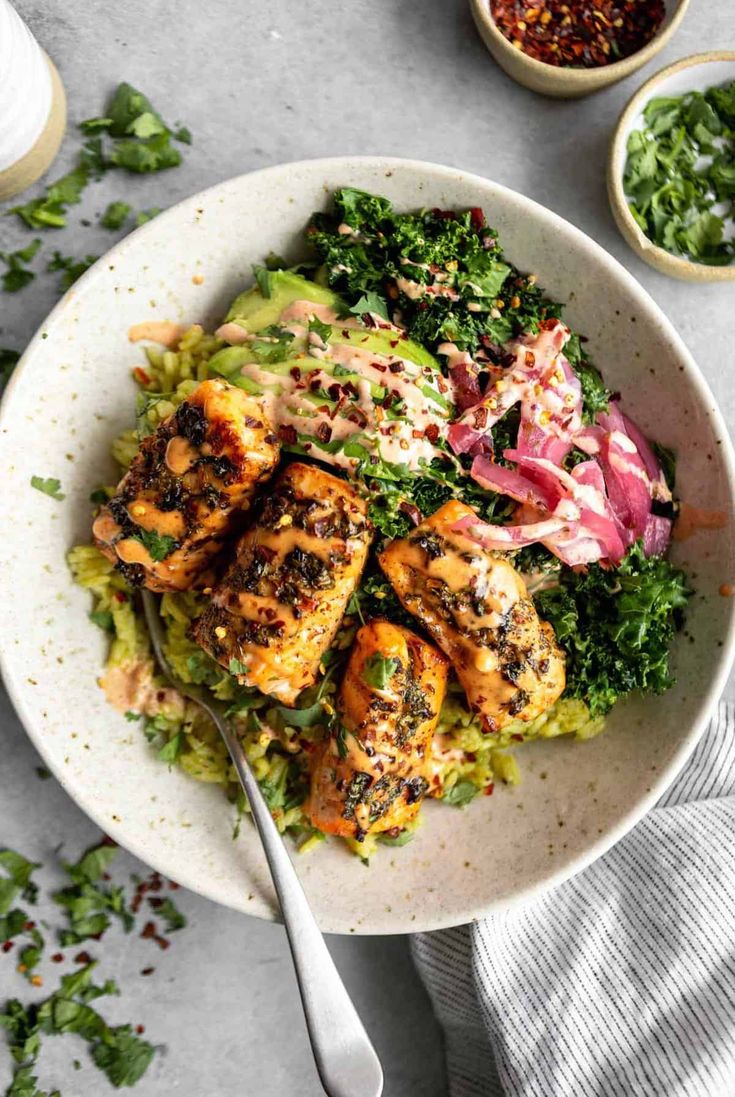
(168, 865)
(579, 80)
(655, 256)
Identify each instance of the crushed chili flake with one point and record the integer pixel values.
(578, 33)
(82, 958)
(57, 958)
(7, 945)
(147, 971)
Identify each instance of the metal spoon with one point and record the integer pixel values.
(346, 1060)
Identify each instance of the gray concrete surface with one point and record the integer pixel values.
(262, 83)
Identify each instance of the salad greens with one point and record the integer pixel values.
(616, 626)
(680, 174)
(380, 255)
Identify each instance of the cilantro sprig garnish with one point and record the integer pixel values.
(680, 174)
(132, 136)
(378, 670)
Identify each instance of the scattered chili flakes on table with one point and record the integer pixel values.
(578, 34)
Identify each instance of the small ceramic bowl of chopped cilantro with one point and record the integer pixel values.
(671, 171)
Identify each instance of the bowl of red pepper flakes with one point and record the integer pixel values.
(570, 48)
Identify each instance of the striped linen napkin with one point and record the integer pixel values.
(619, 983)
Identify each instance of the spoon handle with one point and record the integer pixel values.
(346, 1060)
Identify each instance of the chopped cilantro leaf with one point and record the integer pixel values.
(460, 794)
(159, 545)
(377, 670)
(122, 1055)
(72, 268)
(324, 332)
(50, 210)
(171, 750)
(17, 275)
(103, 619)
(370, 302)
(17, 880)
(49, 486)
(236, 667)
(115, 215)
(171, 915)
(262, 276)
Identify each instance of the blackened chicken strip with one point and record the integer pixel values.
(371, 775)
(187, 488)
(279, 605)
(476, 607)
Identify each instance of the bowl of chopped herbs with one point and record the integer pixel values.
(671, 171)
(570, 48)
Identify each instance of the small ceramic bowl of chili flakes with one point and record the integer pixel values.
(570, 48)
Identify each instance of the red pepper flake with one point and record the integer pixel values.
(173, 886)
(149, 930)
(57, 958)
(28, 926)
(147, 971)
(431, 433)
(578, 33)
(477, 218)
(7, 945)
(120, 597)
(141, 376)
(162, 942)
(488, 790)
(295, 373)
(288, 434)
(140, 1029)
(156, 901)
(517, 738)
(82, 958)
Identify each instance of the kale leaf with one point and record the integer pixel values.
(616, 626)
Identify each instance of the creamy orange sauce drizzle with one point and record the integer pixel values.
(164, 332)
(691, 519)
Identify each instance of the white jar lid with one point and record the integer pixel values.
(25, 88)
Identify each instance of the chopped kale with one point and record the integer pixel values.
(616, 626)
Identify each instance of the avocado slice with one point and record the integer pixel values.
(378, 341)
(254, 311)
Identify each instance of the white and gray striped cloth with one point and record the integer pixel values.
(619, 983)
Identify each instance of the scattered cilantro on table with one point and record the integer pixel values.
(118, 1051)
(17, 276)
(131, 135)
(72, 268)
(679, 175)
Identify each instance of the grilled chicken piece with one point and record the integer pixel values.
(187, 488)
(281, 602)
(371, 777)
(476, 607)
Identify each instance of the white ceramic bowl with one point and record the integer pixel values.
(72, 394)
(695, 73)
